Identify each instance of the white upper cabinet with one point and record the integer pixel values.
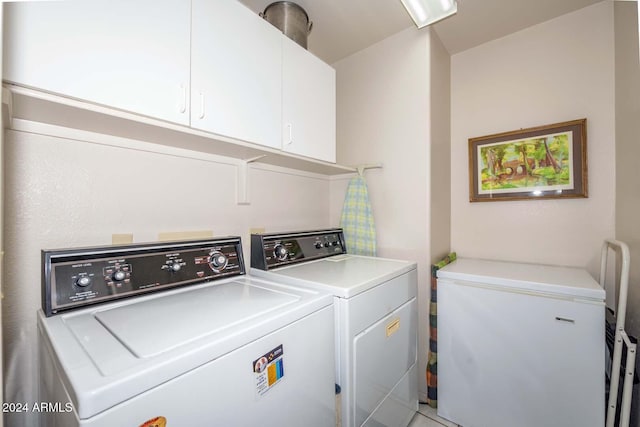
(212, 65)
(308, 104)
(236, 71)
(130, 55)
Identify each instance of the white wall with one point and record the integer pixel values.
(628, 148)
(556, 71)
(385, 114)
(67, 192)
(383, 117)
(627, 156)
(440, 146)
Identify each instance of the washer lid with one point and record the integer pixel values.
(152, 327)
(110, 353)
(342, 275)
(555, 280)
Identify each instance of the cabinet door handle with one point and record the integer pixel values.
(290, 130)
(201, 105)
(564, 319)
(183, 99)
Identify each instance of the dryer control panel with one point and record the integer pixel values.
(75, 278)
(278, 249)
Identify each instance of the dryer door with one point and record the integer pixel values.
(383, 354)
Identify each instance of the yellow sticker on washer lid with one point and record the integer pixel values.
(393, 327)
(155, 422)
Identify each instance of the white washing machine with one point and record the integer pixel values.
(212, 347)
(376, 319)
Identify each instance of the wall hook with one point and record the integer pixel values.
(242, 179)
(361, 168)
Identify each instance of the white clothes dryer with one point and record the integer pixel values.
(376, 319)
(212, 347)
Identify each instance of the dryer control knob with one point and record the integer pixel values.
(280, 252)
(175, 267)
(218, 261)
(118, 275)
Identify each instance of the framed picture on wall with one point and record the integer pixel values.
(544, 162)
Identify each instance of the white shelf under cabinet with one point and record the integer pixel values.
(28, 104)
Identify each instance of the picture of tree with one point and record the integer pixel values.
(543, 162)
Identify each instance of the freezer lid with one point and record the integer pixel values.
(555, 280)
(342, 275)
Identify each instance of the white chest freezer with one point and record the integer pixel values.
(520, 345)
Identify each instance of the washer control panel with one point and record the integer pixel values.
(279, 249)
(75, 278)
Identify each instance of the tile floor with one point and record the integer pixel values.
(428, 417)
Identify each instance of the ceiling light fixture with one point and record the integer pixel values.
(427, 12)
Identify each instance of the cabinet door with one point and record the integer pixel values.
(236, 65)
(131, 55)
(309, 104)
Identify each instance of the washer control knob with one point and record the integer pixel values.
(280, 252)
(83, 281)
(118, 275)
(319, 245)
(175, 267)
(218, 261)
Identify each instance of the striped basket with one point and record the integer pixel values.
(432, 363)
